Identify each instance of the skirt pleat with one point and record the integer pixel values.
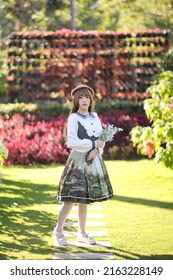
(84, 182)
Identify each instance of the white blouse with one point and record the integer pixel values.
(83, 131)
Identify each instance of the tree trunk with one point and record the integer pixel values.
(18, 24)
(20, 5)
(73, 14)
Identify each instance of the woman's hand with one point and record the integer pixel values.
(100, 144)
(92, 155)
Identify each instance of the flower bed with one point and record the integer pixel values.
(32, 140)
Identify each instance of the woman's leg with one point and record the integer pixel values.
(82, 235)
(82, 215)
(65, 210)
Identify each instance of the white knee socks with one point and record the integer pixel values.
(82, 215)
(65, 210)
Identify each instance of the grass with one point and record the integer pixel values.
(138, 218)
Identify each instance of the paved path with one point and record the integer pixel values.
(82, 256)
(96, 220)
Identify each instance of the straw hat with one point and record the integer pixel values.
(79, 87)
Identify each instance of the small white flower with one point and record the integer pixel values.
(109, 130)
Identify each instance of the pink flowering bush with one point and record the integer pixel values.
(30, 141)
(36, 139)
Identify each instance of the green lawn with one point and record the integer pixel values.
(139, 218)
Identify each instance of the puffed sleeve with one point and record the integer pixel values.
(73, 140)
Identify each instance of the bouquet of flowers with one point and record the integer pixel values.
(109, 130)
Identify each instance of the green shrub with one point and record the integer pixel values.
(54, 109)
(167, 61)
(157, 140)
(49, 110)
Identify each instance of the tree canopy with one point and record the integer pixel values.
(124, 15)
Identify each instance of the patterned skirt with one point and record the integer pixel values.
(83, 182)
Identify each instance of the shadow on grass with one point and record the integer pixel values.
(152, 203)
(27, 230)
(29, 193)
(23, 228)
(28, 235)
(133, 256)
(117, 253)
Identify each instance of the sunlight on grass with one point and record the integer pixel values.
(138, 218)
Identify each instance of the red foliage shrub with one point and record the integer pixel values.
(124, 120)
(31, 140)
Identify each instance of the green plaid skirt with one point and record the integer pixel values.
(83, 182)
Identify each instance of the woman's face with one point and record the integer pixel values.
(84, 102)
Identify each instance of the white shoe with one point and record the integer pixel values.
(59, 238)
(85, 238)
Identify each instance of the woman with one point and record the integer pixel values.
(84, 179)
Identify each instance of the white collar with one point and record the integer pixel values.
(89, 114)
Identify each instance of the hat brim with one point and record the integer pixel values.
(80, 87)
